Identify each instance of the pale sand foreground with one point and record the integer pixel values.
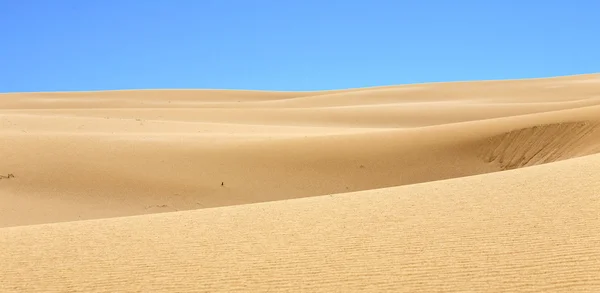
(532, 230)
(77, 156)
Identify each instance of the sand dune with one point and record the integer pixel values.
(453, 187)
(527, 230)
(117, 153)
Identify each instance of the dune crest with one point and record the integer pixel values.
(87, 155)
(527, 230)
(488, 186)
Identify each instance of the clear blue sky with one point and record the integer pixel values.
(60, 45)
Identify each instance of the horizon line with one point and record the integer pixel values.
(303, 91)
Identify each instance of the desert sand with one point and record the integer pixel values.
(482, 186)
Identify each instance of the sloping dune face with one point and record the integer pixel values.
(540, 144)
(452, 187)
(533, 229)
(78, 156)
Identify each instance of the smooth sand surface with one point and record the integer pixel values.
(489, 186)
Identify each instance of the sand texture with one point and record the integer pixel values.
(490, 186)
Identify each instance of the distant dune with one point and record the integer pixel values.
(490, 186)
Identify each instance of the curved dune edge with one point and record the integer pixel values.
(539, 144)
(78, 156)
(527, 230)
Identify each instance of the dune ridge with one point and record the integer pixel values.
(487, 186)
(178, 146)
(486, 233)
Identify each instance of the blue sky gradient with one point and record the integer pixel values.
(74, 45)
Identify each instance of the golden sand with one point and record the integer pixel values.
(489, 186)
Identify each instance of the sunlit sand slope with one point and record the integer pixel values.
(77, 156)
(532, 229)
